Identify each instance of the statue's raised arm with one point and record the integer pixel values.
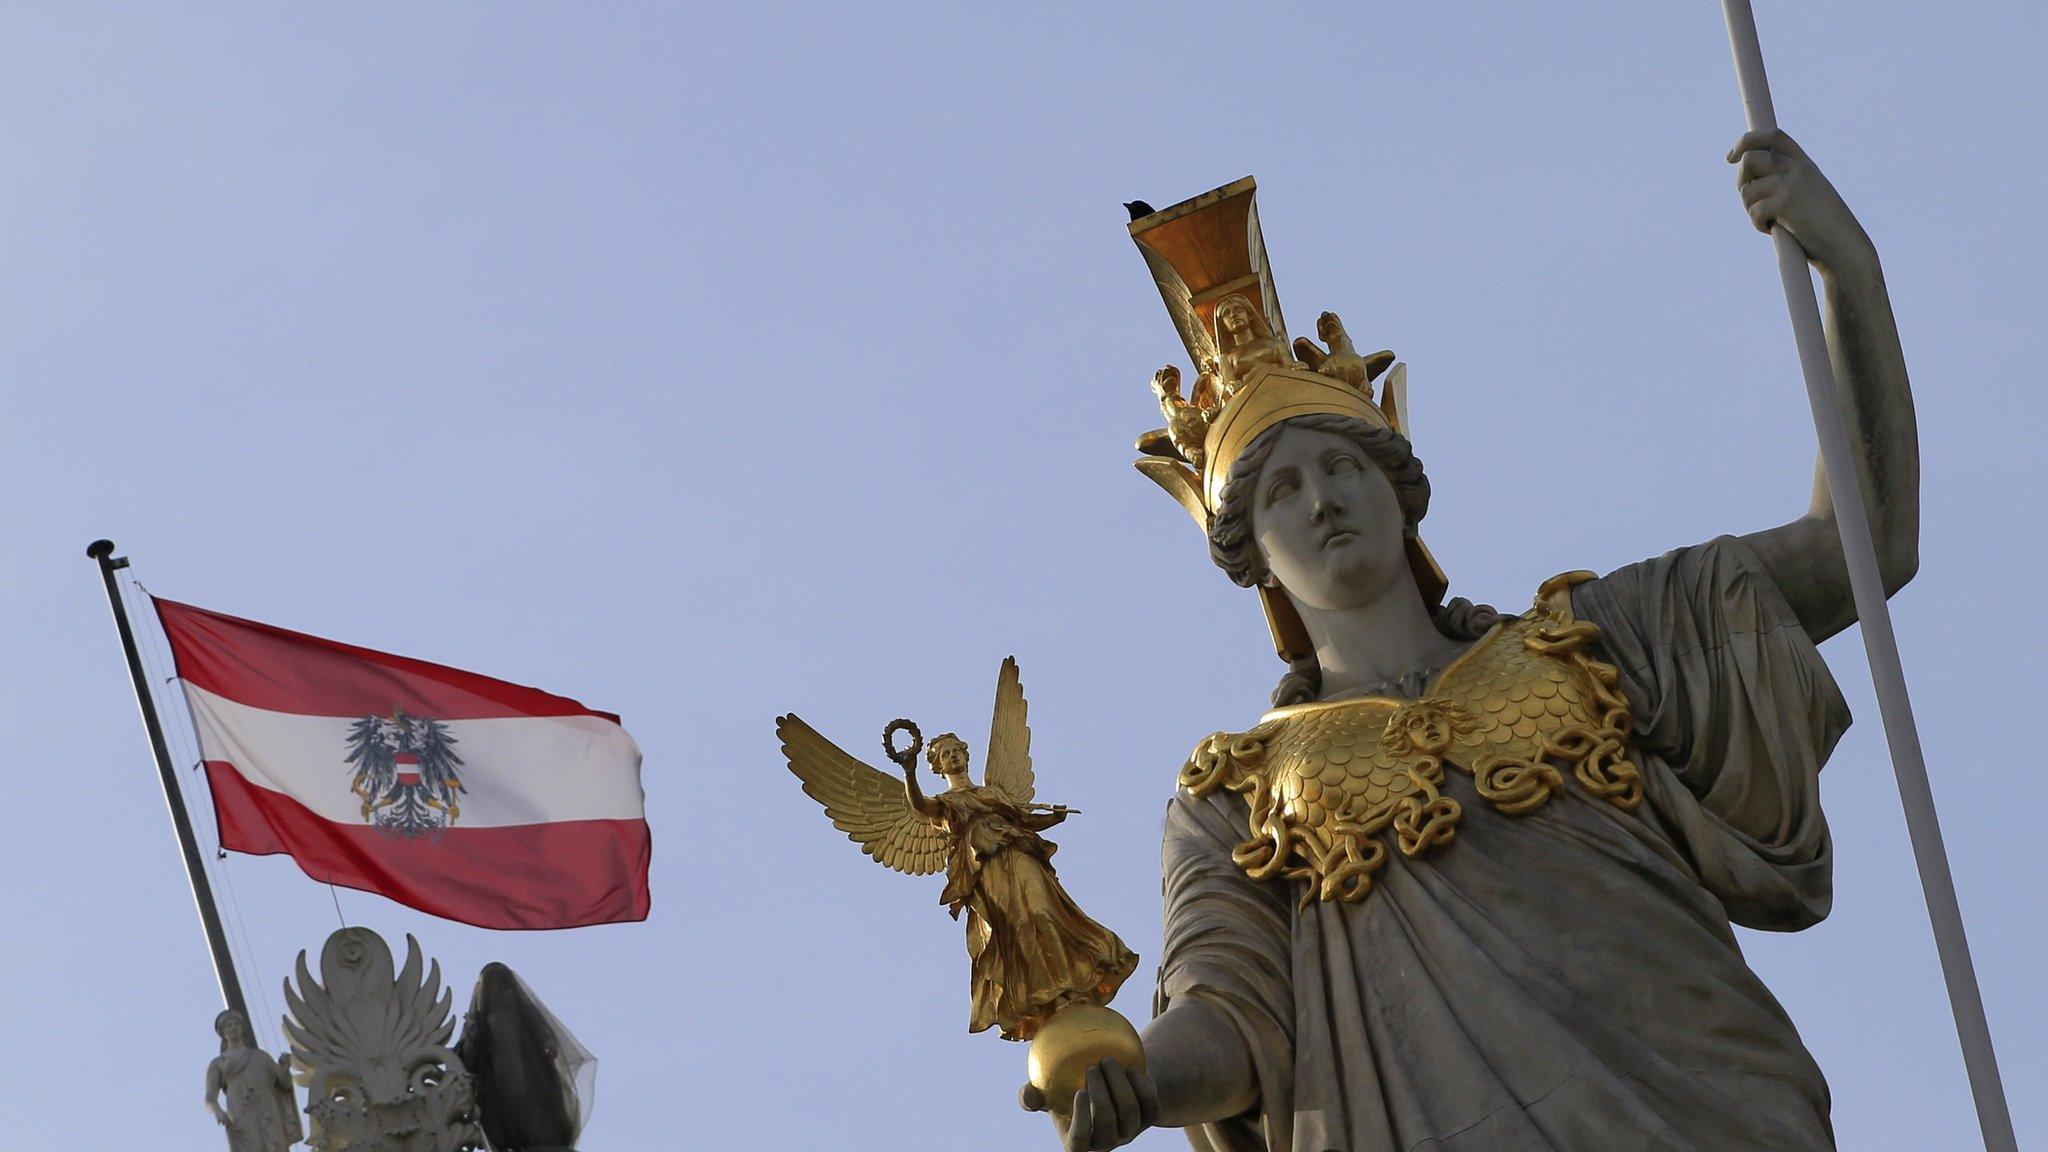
(1781, 185)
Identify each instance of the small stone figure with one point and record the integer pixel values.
(533, 1079)
(262, 1114)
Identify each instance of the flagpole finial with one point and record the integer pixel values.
(100, 549)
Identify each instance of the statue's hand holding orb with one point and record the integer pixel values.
(1113, 1103)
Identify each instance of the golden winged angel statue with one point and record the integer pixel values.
(1033, 951)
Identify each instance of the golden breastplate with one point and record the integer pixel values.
(1525, 704)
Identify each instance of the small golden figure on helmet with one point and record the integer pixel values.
(1247, 342)
(1186, 421)
(1342, 361)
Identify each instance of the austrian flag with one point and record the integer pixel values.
(459, 795)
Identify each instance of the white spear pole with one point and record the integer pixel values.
(1879, 643)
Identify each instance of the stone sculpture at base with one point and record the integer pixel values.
(533, 1080)
(372, 1046)
(261, 1113)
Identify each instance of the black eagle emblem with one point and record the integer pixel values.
(405, 773)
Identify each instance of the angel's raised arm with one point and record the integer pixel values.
(919, 802)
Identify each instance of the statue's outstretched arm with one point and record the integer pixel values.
(1780, 185)
(1039, 821)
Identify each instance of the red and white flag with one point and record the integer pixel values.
(462, 796)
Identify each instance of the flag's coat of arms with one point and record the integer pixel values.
(405, 772)
(472, 798)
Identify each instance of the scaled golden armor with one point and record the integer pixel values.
(1325, 781)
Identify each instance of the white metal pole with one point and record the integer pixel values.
(1887, 675)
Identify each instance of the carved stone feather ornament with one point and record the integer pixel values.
(373, 1048)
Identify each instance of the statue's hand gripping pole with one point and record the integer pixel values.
(1866, 584)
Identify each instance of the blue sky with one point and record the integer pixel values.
(710, 362)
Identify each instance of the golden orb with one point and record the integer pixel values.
(1074, 1040)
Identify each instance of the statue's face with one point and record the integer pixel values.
(950, 759)
(1237, 319)
(1327, 521)
(234, 1030)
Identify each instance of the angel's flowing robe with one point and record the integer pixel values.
(1031, 949)
(1565, 979)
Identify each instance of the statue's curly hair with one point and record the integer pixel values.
(1234, 550)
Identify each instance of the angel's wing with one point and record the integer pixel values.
(1009, 738)
(865, 803)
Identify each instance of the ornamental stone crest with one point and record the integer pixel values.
(372, 1048)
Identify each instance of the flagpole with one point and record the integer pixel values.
(1880, 645)
(195, 869)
